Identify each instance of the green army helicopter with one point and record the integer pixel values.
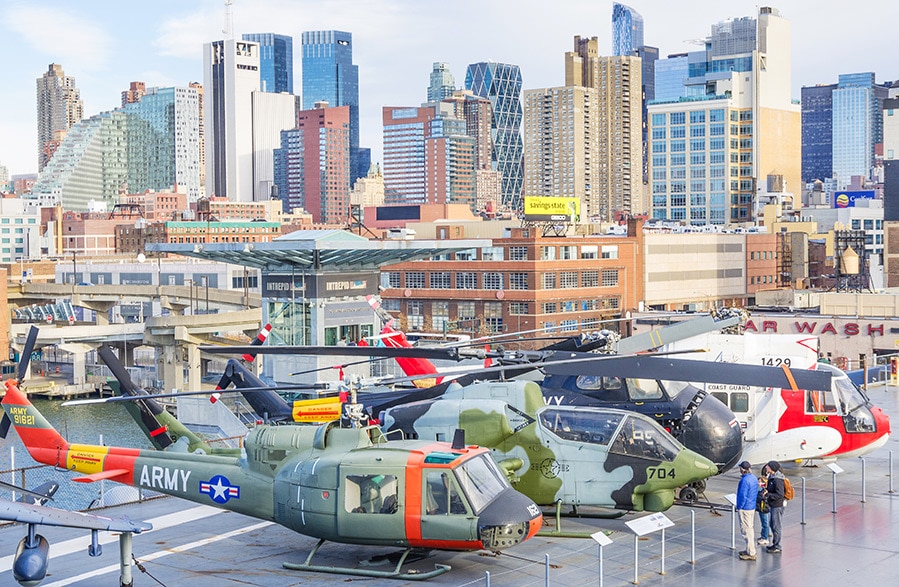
(560, 454)
(337, 484)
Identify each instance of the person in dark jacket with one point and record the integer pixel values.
(775, 504)
(747, 494)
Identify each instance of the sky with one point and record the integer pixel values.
(107, 44)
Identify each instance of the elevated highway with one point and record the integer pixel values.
(176, 335)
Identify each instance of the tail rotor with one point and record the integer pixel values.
(21, 371)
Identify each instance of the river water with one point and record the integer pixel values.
(81, 424)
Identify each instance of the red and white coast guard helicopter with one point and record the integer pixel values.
(784, 424)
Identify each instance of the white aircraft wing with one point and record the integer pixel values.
(46, 516)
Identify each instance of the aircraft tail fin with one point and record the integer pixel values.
(37, 434)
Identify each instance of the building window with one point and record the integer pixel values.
(547, 253)
(466, 310)
(569, 325)
(590, 279)
(518, 281)
(568, 280)
(466, 280)
(549, 281)
(569, 306)
(587, 305)
(493, 280)
(589, 252)
(440, 316)
(415, 279)
(492, 254)
(440, 280)
(568, 252)
(609, 277)
(549, 308)
(610, 251)
(415, 310)
(466, 255)
(518, 253)
(493, 314)
(518, 308)
(549, 326)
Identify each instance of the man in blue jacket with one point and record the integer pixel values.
(747, 494)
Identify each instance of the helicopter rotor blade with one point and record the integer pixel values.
(124, 398)
(25, 359)
(668, 369)
(350, 351)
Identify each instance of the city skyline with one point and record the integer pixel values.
(394, 66)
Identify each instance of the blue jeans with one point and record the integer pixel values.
(776, 521)
(763, 516)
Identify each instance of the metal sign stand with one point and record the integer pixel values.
(646, 525)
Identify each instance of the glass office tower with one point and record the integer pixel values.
(275, 61)
(501, 84)
(329, 75)
(627, 30)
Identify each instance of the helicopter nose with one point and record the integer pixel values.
(713, 432)
(657, 495)
(881, 420)
(508, 520)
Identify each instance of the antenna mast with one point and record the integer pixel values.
(229, 20)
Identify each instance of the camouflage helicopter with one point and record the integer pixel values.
(337, 484)
(560, 454)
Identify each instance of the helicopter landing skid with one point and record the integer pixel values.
(395, 574)
(574, 513)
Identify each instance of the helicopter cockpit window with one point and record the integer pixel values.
(644, 438)
(850, 396)
(595, 427)
(597, 382)
(644, 389)
(442, 495)
(820, 402)
(675, 387)
(371, 494)
(481, 480)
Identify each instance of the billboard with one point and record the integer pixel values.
(552, 208)
(846, 199)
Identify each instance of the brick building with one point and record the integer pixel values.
(525, 281)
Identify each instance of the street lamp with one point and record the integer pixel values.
(708, 299)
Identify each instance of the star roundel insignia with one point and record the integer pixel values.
(550, 468)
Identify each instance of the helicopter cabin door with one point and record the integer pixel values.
(370, 500)
(445, 514)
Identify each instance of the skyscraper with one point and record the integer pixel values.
(152, 144)
(442, 83)
(163, 133)
(501, 84)
(231, 75)
(857, 125)
(735, 126)
(617, 186)
(330, 76)
(59, 106)
(817, 132)
(275, 61)
(561, 144)
(312, 167)
(627, 30)
(428, 156)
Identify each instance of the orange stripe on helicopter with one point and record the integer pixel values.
(414, 466)
(790, 379)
